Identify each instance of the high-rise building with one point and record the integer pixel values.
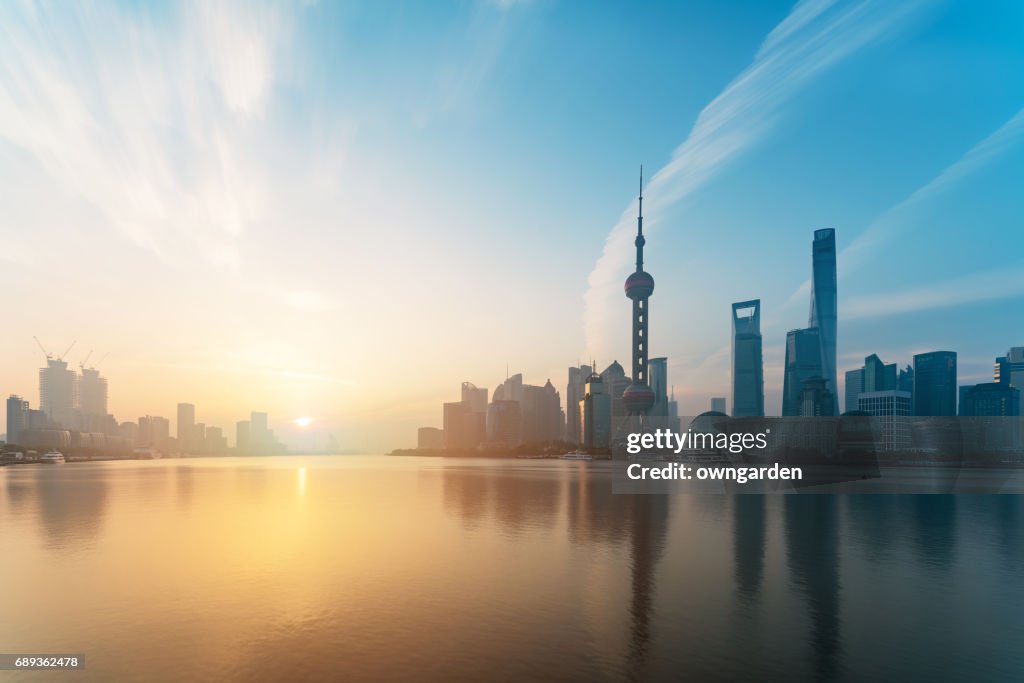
(504, 424)
(216, 442)
(17, 418)
(475, 397)
(145, 433)
(161, 432)
(638, 396)
(260, 436)
(854, 385)
(935, 390)
(673, 410)
(198, 438)
(92, 393)
(823, 302)
(459, 426)
(596, 414)
(186, 426)
(58, 393)
(878, 376)
(747, 360)
(815, 398)
(718, 405)
(615, 383)
(242, 436)
(657, 377)
(905, 380)
(991, 399)
(541, 410)
(803, 361)
(1009, 369)
(893, 409)
(574, 392)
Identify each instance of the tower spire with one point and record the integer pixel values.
(640, 241)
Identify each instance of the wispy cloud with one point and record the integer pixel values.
(815, 36)
(156, 128)
(894, 219)
(989, 285)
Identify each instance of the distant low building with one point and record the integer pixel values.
(429, 438)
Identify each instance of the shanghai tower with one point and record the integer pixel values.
(823, 302)
(638, 396)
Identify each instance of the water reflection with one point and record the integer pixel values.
(328, 569)
(812, 556)
(748, 520)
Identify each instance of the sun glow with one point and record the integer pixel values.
(303, 421)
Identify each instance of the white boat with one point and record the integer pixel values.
(52, 457)
(146, 453)
(576, 455)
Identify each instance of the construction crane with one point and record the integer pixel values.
(81, 366)
(100, 361)
(49, 356)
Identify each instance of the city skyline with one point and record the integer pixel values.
(255, 227)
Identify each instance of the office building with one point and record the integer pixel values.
(242, 444)
(615, 383)
(878, 376)
(893, 409)
(459, 425)
(574, 391)
(803, 361)
(638, 397)
(596, 414)
(718, 405)
(475, 397)
(747, 360)
(92, 393)
(823, 302)
(815, 398)
(429, 438)
(990, 399)
(504, 424)
(185, 426)
(657, 377)
(58, 393)
(1009, 369)
(854, 385)
(935, 391)
(17, 418)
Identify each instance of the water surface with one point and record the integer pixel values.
(375, 568)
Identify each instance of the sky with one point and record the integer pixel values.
(342, 210)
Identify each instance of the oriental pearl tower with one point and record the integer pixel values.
(638, 396)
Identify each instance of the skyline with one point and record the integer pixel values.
(288, 232)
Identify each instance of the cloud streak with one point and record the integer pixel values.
(154, 128)
(815, 36)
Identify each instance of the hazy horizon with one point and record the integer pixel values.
(342, 211)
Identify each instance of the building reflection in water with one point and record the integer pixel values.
(70, 515)
(748, 535)
(812, 557)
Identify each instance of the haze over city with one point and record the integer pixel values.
(337, 213)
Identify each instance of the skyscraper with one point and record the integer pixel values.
(893, 409)
(1009, 369)
(878, 376)
(747, 360)
(657, 376)
(17, 418)
(991, 399)
(718, 405)
(185, 426)
(92, 392)
(823, 301)
(803, 361)
(935, 390)
(854, 386)
(574, 391)
(638, 396)
(58, 393)
(596, 414)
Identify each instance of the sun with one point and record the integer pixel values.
(303, 421)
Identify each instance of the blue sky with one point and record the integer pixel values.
(344, 209)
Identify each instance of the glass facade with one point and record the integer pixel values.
(747, 360)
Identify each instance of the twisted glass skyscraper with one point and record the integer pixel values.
(823, 302)
(811, 352)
